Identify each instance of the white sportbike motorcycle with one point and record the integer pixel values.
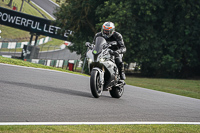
(104, 72)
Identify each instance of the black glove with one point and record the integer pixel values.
(114, 53)
(111, 52)
(91, 46)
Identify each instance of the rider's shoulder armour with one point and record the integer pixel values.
(117, 36)
(98, 34)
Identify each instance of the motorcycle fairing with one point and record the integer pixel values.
(98, 52)
(99, 44)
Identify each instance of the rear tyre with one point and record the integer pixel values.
(117, 92)
(95, 86)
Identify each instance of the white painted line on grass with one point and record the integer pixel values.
(97, 123)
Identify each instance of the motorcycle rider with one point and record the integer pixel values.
(109, 33)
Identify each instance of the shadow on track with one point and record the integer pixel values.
(51, 89)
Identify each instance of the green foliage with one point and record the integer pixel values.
(79, 16)
(151, 128)
(162, 36)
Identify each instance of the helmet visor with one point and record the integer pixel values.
(106, 32)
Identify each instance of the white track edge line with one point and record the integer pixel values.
(96, 123)
(54, 3)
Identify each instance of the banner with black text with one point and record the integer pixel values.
(32, 24)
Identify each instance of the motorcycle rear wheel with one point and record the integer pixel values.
(95, 86)
(117, 92)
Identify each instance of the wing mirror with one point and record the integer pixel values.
(87, 44)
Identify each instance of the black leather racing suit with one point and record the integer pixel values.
(120, 48)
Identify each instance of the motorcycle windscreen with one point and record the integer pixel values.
(99, 43)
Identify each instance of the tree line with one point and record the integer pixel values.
(163, 37)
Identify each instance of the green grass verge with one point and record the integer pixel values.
(11, 50)
(51, 45)
(29, 64)
(189, 88)
(103, 129)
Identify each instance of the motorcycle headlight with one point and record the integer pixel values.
(102, 60)
(89, 60)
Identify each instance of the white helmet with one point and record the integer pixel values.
(107, 29)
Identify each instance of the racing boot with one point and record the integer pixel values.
(121, 72)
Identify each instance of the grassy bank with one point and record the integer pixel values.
(51, 45)
(189, 88)
(29, 64)
(12, 33)
(103, 129)
(26, 7)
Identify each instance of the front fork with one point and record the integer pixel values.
(101, 73)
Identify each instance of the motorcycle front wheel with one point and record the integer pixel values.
(95, 86)
(117, 92)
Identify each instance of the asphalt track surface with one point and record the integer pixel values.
(63, 54)
(38, 95)
(46, 5)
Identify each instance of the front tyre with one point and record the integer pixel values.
(95, 85)
(117, 92)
